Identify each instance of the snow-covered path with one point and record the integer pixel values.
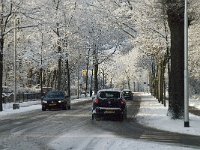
(154, 114)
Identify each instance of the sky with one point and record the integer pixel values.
(151, 114)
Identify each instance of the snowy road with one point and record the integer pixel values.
(74, 129)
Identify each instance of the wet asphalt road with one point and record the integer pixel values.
(34, 130)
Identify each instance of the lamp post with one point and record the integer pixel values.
(186, 97)
(78, 69)
(41, 70)
(15, 106)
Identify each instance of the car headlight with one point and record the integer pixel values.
(44, 101)
(60, 101)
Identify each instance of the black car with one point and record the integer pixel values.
(55, 100)
(127, 94)
(109, 103)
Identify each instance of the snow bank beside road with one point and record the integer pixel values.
(154, 114)
(195, 101)
(24, 107)
(31, 105)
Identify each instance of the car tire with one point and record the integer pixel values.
(69, 107)
(121, 118)
(125, 115)
(65, 107)
(43, 109)
(97, 118)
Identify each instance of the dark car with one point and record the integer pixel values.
(55, 100)
(109, 103)
(128, 94)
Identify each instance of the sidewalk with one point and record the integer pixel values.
(153, 114)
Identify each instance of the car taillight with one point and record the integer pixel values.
(97, 101)
(123, 102)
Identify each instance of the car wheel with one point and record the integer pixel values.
(97, 118)
(65, 107)
(125, 115)
(43, 109)
(92, 117)
(69, 107)
(121, 118)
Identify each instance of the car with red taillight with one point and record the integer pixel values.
(109, 103)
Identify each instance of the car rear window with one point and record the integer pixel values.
(109, 94)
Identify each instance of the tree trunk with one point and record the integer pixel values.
(159, 82)
(164, 89)
(48, 79)
(156, 82)
(41, 82)
(96, 66)
(59, 70)
(1, 52)
(176, 94)
(162, 82)
(54, 81)
(95, 78)
(1, 73)
(68, 79)
(86, 77)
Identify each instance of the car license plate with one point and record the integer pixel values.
(52, 104)
(109, 112)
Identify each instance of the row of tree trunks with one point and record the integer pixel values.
(175, 13)
(157, 82)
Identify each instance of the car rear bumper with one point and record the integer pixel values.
(104, 111)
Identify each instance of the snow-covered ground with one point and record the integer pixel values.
(151, 114)
(106, 141)
(195, 101)
(29, 106)
(154, 114)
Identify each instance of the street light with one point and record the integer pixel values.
(186, 97)
(41, 70)
(15, 106)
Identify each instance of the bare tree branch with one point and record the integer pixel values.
(21, 27)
